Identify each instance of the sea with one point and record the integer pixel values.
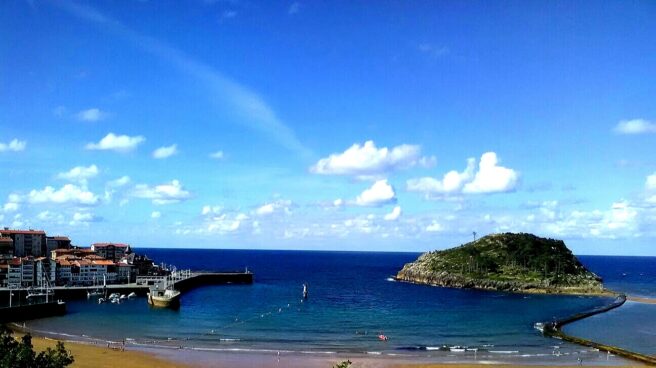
(352, 300)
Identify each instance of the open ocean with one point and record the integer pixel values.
(352, 300)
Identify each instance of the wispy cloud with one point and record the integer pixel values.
(15, 145)
(165, 152)
(635, 126)
(294, 8)
(432, 50)
(227, 14)
(218, 155)
(91, 115)
(255, 113)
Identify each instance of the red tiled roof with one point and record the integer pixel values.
(101, 245)
(103, 262)
(35, 232)
(93, 257)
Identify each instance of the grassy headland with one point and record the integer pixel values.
(506, 262)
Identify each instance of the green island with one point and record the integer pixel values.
(522, 263)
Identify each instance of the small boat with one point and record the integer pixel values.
(91, 293)
(101, 300)
(382, 337)
(123, 296)
(168, 298)
(132, 295)
(539, 326)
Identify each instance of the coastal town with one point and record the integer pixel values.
(31, 258)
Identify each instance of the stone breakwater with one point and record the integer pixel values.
(412, 272)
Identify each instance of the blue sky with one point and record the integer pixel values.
(400, 125)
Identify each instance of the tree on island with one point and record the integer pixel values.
(20, 354)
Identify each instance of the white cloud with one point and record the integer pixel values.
(83, 218)
(283, 205)
(265, 209)
(211, 210)
(369, 161)
(10, 207)
(118, 143)
(394, 215)
(650, 184)
(434, 227)
(338, 202)
(222, 224)
(156, 214)
(452, 182)
(50, 217)
(635, 126)
(294, 8)
(217, 221)
(79, 173)
(165, 152)
(492, 178)
(69, 193)
(380, 193)
(218, 155)
(112, 186)
(92, 114)
(166, 193)
(15, 145)
(123, 180)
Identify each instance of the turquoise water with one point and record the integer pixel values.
(352, 300)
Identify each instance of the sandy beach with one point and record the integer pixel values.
(96, 356)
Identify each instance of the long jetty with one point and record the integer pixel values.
(21, 311)
(554, 329)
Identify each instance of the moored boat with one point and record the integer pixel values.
(168, 298)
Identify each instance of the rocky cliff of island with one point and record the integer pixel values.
(511, 262)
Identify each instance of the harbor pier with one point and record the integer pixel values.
(26, 312)
(17, 309)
